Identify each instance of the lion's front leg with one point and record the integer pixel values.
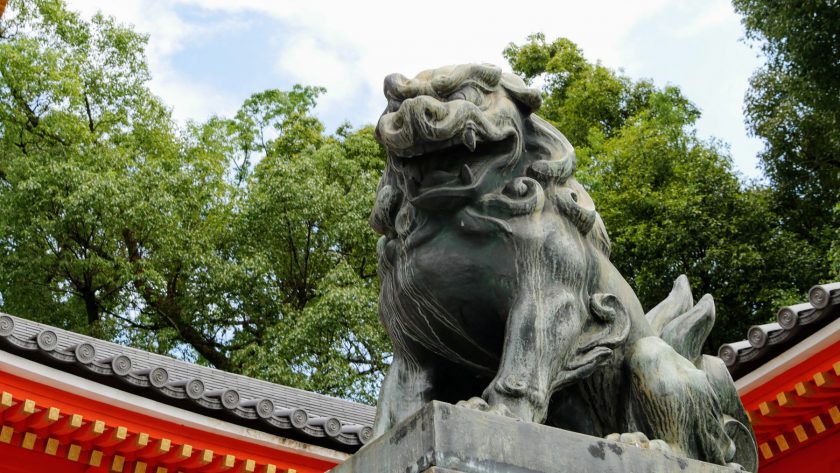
(534, 341)
(406, 388)
(553, 339)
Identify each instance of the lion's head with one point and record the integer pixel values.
(465, 137)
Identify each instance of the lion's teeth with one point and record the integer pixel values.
(467, 176)
(469, 139)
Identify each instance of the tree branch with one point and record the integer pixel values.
(170, 310)
(32, 120)
(91, 126)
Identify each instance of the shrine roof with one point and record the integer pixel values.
(793, 324)
(280, 410)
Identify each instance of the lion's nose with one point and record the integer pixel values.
(423, 122)
(421, 118)
(423, 109)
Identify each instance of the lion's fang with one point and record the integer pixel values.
(467, 176)
(469, 139)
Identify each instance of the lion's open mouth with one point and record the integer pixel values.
(450, 176)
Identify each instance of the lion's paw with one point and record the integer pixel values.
(475, 403)
(503, 410)
(640, 440)
(479, 404)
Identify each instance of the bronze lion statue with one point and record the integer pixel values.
(497, 288)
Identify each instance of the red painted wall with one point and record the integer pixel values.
(13, 458)
(822, 456)
(18, 460)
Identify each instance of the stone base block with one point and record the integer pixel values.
(441, 438)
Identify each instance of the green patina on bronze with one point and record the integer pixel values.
(497, 288)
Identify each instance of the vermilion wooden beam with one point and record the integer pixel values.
(57, 424)
(796, 409)
(825, 363)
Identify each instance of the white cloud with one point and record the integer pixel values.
(168, 35)
(703, 16)
(323, 66)
(168, 31)
(381, 37)
(192, 100)
(408, 37)
(349, 47)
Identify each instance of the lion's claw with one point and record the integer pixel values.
(660, 445)
(503, 410)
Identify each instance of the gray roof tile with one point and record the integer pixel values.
(282, 410)
(793, 324)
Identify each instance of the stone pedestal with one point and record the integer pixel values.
(441, 438)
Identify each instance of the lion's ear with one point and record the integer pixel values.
(605, 329)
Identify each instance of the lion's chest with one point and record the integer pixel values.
(473, 279)
(457, 287)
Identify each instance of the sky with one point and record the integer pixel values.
(207, 56)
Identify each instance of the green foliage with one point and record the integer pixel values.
(305, 222)
(671, 202)
(580, 97)
(241, 242)
(794, 105)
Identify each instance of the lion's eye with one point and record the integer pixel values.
(468, 93)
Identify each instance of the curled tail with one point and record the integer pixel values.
(684, 326)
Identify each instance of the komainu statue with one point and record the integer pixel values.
(498, 291)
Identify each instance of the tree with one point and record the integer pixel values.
(73, 108)
(240, 242)
(671, 202)
(794, 105)
(305, 221)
